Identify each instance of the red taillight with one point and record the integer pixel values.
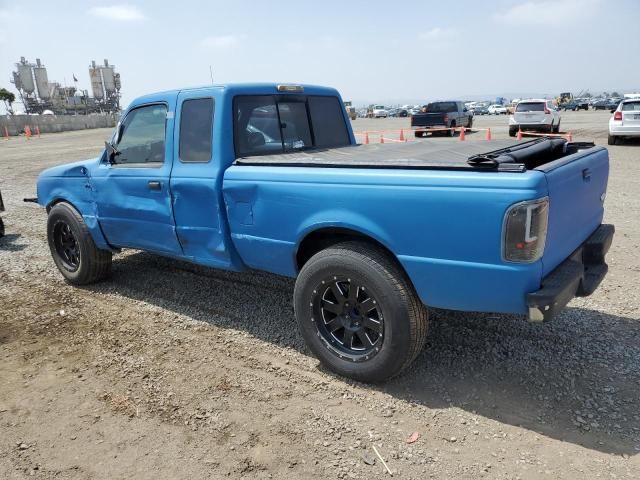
(617, 116)
(546, 110)
(446, 118)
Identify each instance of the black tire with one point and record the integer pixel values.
(512, 131)
(556, 129)
(1, 228)
(470, 122)
(419, 134)
(612, 140)
(73, 249)
(403, 319)
(452, 132)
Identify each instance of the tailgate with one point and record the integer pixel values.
(427, 119)
(577, 185)
(529, 117)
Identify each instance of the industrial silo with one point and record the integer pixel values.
(26, 77)
(108, 78)
(16, 80)
(42, 80)
(96, 81)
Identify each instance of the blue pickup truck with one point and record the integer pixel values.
(269, 177)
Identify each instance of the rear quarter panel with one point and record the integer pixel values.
(443, 226)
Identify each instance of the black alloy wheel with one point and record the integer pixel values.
(66, 245)
(348, 318)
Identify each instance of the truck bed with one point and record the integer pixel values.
(426, 154)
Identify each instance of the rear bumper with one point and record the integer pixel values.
(578, 276)
(624, 130)
(544, 127)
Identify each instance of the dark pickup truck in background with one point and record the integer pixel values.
(441, 115)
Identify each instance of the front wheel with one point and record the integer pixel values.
(358, 313)
(556, 129)
(73, 249)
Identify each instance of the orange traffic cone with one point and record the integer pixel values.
(27, 131)
(462, 134)
(519, 136)
(402, 139)
(488, 136)
(570, 137)
(366, 138)
(381, 138)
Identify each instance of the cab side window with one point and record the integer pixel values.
(196, 130)
(142, 136)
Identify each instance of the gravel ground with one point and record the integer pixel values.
(169, 370)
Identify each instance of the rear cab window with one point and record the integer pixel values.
(273, 124)
(442, 107)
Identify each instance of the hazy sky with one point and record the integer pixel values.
(371, 51)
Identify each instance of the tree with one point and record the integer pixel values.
(8, 98)
(615, 94)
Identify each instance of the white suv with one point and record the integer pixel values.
(379, 111)
(534, 114)
(625, 121)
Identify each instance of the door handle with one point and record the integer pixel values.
(155, 185)
(586, 174)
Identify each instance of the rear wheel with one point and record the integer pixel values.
(358, 313)
(73, 249)
(612, 140)
(419, 134)
(470, 122)
(556, 129)
(452, 131)
(513, 131)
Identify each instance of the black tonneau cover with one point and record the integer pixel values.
(423, 154)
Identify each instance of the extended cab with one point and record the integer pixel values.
(442, 117)
(269, 177)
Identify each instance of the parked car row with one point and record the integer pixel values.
(606, 104)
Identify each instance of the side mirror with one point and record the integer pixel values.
(112, 151)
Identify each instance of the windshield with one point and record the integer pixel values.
(379, 107)
(442, 107)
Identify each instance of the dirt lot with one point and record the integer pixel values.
(169, 370)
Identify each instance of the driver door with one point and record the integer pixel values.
(132, 191)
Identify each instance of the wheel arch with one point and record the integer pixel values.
(324, 237)
(90, 220)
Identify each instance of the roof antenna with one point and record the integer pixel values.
(211, 74)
